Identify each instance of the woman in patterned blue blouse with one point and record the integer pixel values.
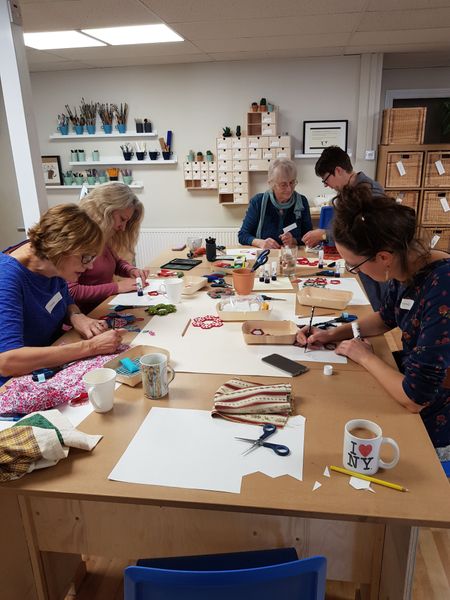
(377, 237)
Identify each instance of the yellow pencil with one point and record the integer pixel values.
(394, 486)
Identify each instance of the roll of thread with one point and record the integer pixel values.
(328, 369)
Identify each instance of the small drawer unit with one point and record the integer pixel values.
(437, 170)
(436, 207)
(406, 197)
(404, 169)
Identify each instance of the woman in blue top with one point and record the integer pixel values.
(34, 298)
(280, 206)
(377, 236)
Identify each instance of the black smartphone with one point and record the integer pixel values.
(285, 364)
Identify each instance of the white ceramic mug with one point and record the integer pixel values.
(172, 288)
(100, 385)
(362, 444)
(156, 375)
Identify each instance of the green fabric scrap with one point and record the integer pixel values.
(39, 421)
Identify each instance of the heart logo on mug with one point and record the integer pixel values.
(365, 449)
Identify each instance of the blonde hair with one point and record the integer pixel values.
(282, 166)
(100, 205)
(63, 230)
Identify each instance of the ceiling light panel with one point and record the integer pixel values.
(136, 34)
(54, 40)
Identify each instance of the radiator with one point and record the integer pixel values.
(154, 241)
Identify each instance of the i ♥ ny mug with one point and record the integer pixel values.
(362, 444)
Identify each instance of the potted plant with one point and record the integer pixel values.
(209, 156)
(226, 132)
(238, 131)
(263, 105)
(254, 106)
(199, 156)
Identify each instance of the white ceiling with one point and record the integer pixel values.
(217, 30)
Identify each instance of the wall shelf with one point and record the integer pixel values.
(137, 185)
(103, 136)
(117, 160)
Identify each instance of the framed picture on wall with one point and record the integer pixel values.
(318, 135)
(51, 167)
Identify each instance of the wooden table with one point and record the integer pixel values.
(51, 517)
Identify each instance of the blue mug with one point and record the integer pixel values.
(107, 128)
(63, 129)
(121, 127)
(79, 129)
(90, 129)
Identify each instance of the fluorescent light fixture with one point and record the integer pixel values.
(135, 34)
(54, 40)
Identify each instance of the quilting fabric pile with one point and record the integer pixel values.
(248, 402)
(37, 441)
(23, 395)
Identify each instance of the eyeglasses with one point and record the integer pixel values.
(286, 184)
(325, 179)
(355, 269)
(87, 258)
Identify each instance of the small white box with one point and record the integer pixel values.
(240, 165)
(212, 183)
(187, 165)
(280, 141)
(196, 175)
(240, 198)
(223, 143)
(196, 165)
(258, 142)
(240, 142)
(225, 188)
(283, 152)
(240, 154)
(225, 177)
(255, 154)
(268, 117)
(268, 154)
(240, 187)
(225, 154)
(267, 129)
(225, 165)
(258, 165)
(187, 176)
(204, 183)
(212, 166)
(240, 176)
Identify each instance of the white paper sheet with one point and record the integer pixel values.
(189, 449)
(347, 284)
(250, 252)
(360, 484)
(222, 349)
(132, 299)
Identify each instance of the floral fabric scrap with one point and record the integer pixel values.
(248, 402)
(23, 395)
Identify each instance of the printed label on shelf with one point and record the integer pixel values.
(434, 240)
(399, 199)
(400, 168)
(444, 204)
(439, 167)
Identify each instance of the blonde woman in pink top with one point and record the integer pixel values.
(119, 213)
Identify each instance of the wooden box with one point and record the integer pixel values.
(274, 332)
(438, 238)
(412, 165)
(403, 125)
(434, 208)
(432, 177)
(135, 352)
(244, 315)
(324, 298)
(406, 197)
(193, 283)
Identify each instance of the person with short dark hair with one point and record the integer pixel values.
(377, 236)
(335, 169)
(278, 207)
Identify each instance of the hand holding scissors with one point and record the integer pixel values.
(261, 259)
(268, 430)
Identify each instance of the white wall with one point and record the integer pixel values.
(10, 211)
(196, 101)
(414, 79)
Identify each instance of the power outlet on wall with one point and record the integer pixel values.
(369, 155)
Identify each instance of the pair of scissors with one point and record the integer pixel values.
(261, 259)
(268, 430)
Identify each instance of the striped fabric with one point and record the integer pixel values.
(18, 450)
(248, 402)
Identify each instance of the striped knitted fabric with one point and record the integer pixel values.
(248, 402)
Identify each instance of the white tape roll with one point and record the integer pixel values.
(328, 369)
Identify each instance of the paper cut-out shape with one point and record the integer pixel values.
(316, 486)
(360, 484)
(326, 473)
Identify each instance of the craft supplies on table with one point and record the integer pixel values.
(243, 308)
(123, 375)
(268, 430)
(324, 298)
(269, 332)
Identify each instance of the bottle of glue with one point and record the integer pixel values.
(140, 290)
(321, 255)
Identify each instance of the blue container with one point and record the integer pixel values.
(63, 129)
(107, 128)
(79, 129)
(90, 129)
(121, 128)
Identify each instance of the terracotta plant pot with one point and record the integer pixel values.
(255, 107)
(243, 280)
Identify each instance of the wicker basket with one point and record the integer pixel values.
(432, 177)
(429, 233)
(433, 212)
(412, 163)
(405, 197)
(403, 125)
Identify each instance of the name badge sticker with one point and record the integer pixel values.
(53, 302)
(406, 303)
(289, 227)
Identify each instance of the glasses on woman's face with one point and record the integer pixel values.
(325, 179)
(284, 185)
(355, 268)
(87, 258)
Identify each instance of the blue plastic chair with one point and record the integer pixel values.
(326, 216)
(446, 466)
(265, 575)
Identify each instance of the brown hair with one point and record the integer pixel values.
(100, 204)
(367, 225)
(63, 230)
(333, 157)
